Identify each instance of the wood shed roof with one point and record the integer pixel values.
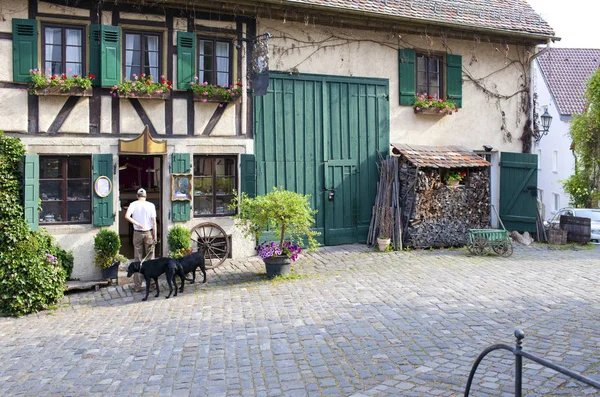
(440, 156)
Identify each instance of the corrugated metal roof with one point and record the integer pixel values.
(566, 71)
(440, 156)
(511, 15)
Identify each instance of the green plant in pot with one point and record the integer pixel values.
(288, 215)
(180, 241)
(106, 252)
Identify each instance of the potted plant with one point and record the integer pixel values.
(427, 104)
(453, 179)
(143, 86)
(289, 215)
(180, 241)
(106, 253)
(385, 232)
(60, 84)
(204, 92)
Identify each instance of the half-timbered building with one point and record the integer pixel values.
(326, 85)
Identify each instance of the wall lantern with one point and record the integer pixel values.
(546, 121)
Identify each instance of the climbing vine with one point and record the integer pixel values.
(308, 47)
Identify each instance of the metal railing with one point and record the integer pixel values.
(519, 354)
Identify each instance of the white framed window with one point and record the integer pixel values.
(539, 154)
(556, 201)
(555, 161)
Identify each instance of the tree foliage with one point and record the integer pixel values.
(584, 184)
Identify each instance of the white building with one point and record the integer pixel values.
(560, 79)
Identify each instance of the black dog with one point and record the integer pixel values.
(153, 268)
(191, 262)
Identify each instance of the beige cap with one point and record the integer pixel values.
(141, 193)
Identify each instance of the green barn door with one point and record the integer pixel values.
(356, 120)
(518, 191)
(313, 128)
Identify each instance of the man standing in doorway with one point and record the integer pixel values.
(142, 214)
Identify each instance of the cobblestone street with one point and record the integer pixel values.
(356, 323)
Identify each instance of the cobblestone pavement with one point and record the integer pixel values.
(357, 323)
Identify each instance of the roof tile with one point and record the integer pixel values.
(566, 71)
(440, 156)
(511, 15)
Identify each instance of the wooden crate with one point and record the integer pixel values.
(578, 229)
(557, 236)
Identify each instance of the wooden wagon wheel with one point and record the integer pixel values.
(213, 239)
(505, 249)
(479, 244)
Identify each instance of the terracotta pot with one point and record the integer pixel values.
(277, 265)
(453, 184)
(383, 243)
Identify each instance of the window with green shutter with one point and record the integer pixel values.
(248, 174)
(454, 79)
(180, 164)
(186, 59)
(103, 206)
(105, 54)
(31, 190)
(426, 74)
(25, 49)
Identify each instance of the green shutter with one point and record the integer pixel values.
(103, 206)
(248, 174)
(180, 164)
(25, 49)
(186, 59)
(31, 191)
(105, 54)
(406, 69)
(454, 78)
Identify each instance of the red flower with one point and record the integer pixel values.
(239, 84)
(92, 76)
(64, 76)
(143, 75)
(162, 81)
(442, 99)
(147, 82)
(75, 76)
(429, 97)
(218, 86)
(52, 78)
(169, 82)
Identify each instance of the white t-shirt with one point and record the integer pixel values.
(143, 212)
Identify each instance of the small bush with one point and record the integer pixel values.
(106, 248)
(179, 239)
(31, 278)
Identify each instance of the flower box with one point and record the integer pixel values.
(145, 95)
(431, 112)
(198, 97)
(74, 91)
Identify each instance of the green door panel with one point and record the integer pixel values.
(518, 191)
(340, 202)
(180, 210)
(31, 192)
(304, 123)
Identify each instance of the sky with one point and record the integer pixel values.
(574, 21)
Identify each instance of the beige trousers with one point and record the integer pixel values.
(142, 246)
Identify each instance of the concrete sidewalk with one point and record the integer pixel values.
(355, 323)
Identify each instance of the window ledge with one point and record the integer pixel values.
(215, 99)
(144, 95)
(58, 91)
(431, 112)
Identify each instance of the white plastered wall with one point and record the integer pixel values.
(375, 54)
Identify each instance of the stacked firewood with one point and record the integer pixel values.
(442, 215)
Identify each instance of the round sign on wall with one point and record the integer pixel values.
(102, 186)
